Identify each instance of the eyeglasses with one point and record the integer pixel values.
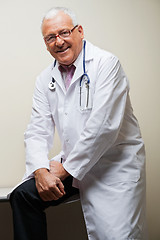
(63, 34)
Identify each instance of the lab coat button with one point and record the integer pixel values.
(66, 113)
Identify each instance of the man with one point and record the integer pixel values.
(102, 148)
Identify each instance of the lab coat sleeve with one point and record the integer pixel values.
(103, 126)
(40, 132)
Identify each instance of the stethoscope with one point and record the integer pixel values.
(84, 78)
(52, 84)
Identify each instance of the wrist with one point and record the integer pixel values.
(40, 171)
(65, 174)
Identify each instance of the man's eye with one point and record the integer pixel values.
(64, 33)
(50, 38)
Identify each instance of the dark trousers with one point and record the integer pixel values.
(29, 218)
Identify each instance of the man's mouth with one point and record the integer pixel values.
(62, 50)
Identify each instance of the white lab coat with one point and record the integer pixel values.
(102, 146)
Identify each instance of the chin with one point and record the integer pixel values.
(66, 62)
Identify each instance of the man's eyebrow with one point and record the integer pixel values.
(53, 34)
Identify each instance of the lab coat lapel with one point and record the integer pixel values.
(58, 77)
(79, 70)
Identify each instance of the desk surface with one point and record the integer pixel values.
(4, 192)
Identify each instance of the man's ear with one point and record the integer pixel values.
(81, 31)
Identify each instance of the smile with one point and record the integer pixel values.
(63, 50)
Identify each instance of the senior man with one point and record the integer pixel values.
(84, 93)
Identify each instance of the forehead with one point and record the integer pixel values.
(56, 23)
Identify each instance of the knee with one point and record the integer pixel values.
(17, 196)
(22, 192)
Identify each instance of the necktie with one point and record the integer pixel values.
(69, 71)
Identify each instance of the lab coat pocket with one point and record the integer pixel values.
(120, 166)
(85, 97)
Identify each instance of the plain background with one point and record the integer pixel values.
(128, 28)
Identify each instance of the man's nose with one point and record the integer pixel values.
(59, 41)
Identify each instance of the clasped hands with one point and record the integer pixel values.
(49, 183)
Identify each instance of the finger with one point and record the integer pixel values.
(57, 191)
(61, 187)
(48, 196)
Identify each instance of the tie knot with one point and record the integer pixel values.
(67, 69)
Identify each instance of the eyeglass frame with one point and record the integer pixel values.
(59, 35)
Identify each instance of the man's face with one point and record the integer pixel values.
(65, 51)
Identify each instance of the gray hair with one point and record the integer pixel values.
(53, 12)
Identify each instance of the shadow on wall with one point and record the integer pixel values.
(66, 219)
(68, 222)
(6, 229)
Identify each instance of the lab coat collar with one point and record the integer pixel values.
(89, 51)
(79, 62)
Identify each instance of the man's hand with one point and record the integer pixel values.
(57, 169)
(49, 186)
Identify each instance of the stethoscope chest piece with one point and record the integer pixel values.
(52, 85)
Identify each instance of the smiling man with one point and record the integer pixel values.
(84, 93)
(64, 51)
